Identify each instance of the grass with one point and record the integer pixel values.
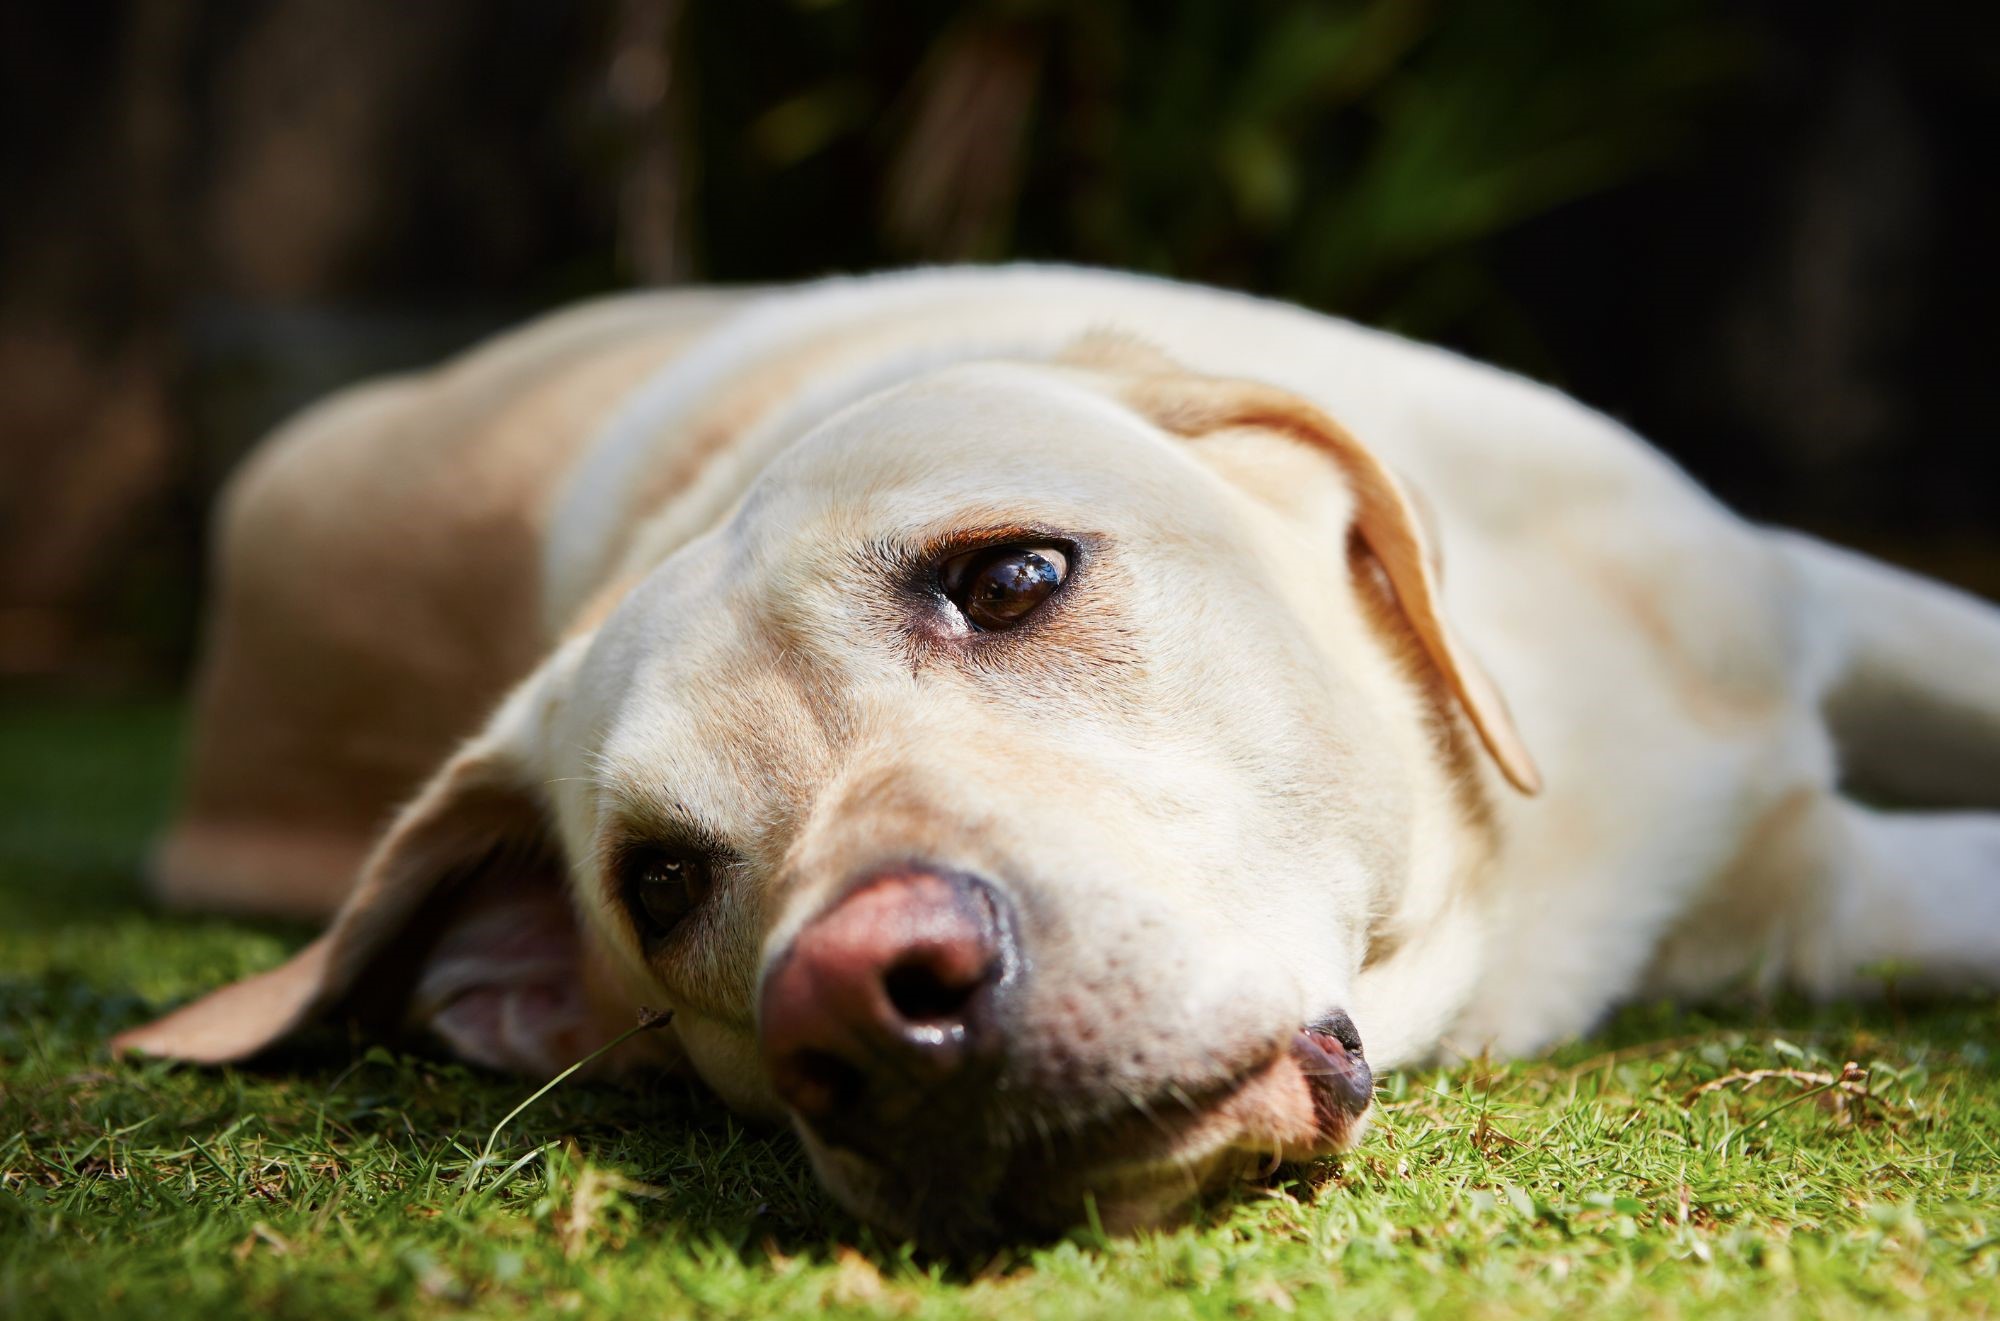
(1649, 1171)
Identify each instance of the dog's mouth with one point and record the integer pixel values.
(1139, 1165)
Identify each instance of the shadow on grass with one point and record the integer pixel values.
(693, 1172)
(82, 789)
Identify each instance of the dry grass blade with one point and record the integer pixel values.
(648, 1021)
(1851, 1081)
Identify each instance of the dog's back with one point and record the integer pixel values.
(376, 588)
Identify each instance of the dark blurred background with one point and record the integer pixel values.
(1759, 233)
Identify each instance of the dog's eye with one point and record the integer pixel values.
(662, 886)
(998, 586)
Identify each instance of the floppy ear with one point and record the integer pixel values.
(460, 923)
(1386, 520)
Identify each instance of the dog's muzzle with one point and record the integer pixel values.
(888, 1028)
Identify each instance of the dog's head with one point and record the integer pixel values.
(1010, 789)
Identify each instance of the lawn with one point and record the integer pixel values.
(1679, 1163)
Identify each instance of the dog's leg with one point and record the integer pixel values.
(1910, 678)
(1908, 896)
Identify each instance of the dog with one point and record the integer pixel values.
(1032, 725)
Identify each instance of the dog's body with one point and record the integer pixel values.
(1248, 737)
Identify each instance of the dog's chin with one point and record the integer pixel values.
(1144, 1167)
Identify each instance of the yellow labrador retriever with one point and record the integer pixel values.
(1031, 726)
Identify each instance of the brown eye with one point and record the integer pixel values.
(997, 587)
(662, 886)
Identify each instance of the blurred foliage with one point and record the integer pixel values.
(1757, 232)
(1352, 155)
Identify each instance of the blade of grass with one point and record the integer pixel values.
(648, 1021)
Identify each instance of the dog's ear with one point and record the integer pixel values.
(1387, 521)
(460, 922)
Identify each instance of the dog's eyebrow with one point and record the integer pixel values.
(974, 536)
(636, 815)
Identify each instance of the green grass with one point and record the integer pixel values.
(337, 1184)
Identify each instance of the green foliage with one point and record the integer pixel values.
(1353, 155)
(1677, 1164)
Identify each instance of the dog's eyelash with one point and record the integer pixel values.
(918, 561)
(620, 844)
(634, 816)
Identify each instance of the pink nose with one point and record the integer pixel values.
(884, 1001)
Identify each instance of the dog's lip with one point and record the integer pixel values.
(1293, 1105)
(1296, 1100)
(1341, 1083)
(1306, 1099)
(1302, 1098)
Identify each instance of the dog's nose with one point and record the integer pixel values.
(885, 1000)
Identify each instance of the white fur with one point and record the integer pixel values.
(1545, 511)
(1223, 795)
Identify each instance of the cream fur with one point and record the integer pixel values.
(1237, 792)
